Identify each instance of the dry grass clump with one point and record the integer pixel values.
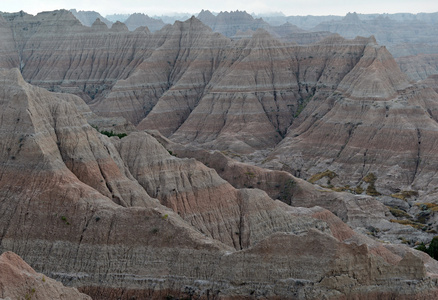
(318, 176)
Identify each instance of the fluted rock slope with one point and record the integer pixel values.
(251, 100)
(410, 36)
(419, 67)
(375, 122)
(239, 218)
(73, 208)
(60, 54)
(186, 80)
(180, 67)
(201, 88)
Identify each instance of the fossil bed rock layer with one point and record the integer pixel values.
(79, 207)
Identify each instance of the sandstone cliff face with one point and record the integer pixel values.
(94, 226)
(355, 129)
(19, 281)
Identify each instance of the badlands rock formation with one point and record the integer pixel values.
(402, 37)
(87, 18)
(77, 206)
(228, 23)
(58, 53)
(199, 87)
(362, 212)
(354, 130)
(19, 281)
(137, 20)
(420, 66)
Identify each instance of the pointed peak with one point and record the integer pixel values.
(193, 21)
(261, 33)
(144, 29)
(13, 75)
(372, 40)
(205, 13)
(119, 27)
(352, 17)
(139, 16)
(98, 24)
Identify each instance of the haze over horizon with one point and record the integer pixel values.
(294, 7)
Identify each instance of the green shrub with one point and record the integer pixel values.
(432, 250)
(111, 133)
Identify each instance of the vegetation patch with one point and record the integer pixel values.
(111, 133)
(358, 190)
(250, 174)
(371, 188)
(64, 218)
(326, 173)
(410, 223)
(398, 213)
(432, 250)
(427, 206)
(404, 195)
(370, 178)
(302, 105)
(339, 189)
(287, 191)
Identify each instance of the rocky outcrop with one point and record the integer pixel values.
(419, 67)
(239, 218)
(199, 87)
(176, 72)
(75, 205)
(60, 54)
(372, 216)
(186, 80)
(260, 106)
(354, 130)
(403, 37)
(229, 23)
(87, 18)
(19, 281)
(137, 20)
(9, 57)
(291, 33)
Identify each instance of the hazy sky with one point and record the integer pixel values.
(288, 7)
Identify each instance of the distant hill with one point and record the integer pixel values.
(88, 17)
